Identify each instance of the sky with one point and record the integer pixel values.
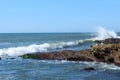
(44, 16)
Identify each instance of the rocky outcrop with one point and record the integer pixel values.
(112, 40)
(106, 51)
(82, 55)
(108, 41)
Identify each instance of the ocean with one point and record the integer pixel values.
(13, 67)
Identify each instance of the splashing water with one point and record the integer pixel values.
(45, 47)
(103, 34)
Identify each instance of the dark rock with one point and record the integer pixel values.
(99, 41)
(12, 58)
(99, 55)
(107, 50)
(112, 40)
(108, 41)
(79, 59)
(117, 63)
(111, 60)
(89, 69)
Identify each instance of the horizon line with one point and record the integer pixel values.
(46, 32)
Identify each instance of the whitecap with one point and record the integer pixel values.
(103, 34)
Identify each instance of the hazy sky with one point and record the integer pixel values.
(58, 15)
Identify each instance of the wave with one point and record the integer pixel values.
(45, 47)
(101, 65)
(96, 65)
(103, 34)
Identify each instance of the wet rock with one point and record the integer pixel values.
(111, 60)
(89, 69)
(108, 52)
(108, 41)
(98, 42)
(99, 55)
(82, 55)
(33, 56)
(81, 58)
(117, 63)
(12, 58)
(112, 40)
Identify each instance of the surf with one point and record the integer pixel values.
(45, 47)
(102, 34)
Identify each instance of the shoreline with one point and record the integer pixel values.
(107, 51)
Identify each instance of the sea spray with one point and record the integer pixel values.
(103, 34)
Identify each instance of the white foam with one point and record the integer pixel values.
(97, 65)
(101, 65)
(106, 66)
(103, 34)
(17, 51)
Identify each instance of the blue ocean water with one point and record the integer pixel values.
(12, 45)
(15, 44)
(24, 39)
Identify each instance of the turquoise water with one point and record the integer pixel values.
(12, 45)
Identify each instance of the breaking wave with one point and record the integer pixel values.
(101, 65)
(103, 34)
(96, 65)
(45, 47)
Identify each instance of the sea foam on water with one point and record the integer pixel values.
(45, 47)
